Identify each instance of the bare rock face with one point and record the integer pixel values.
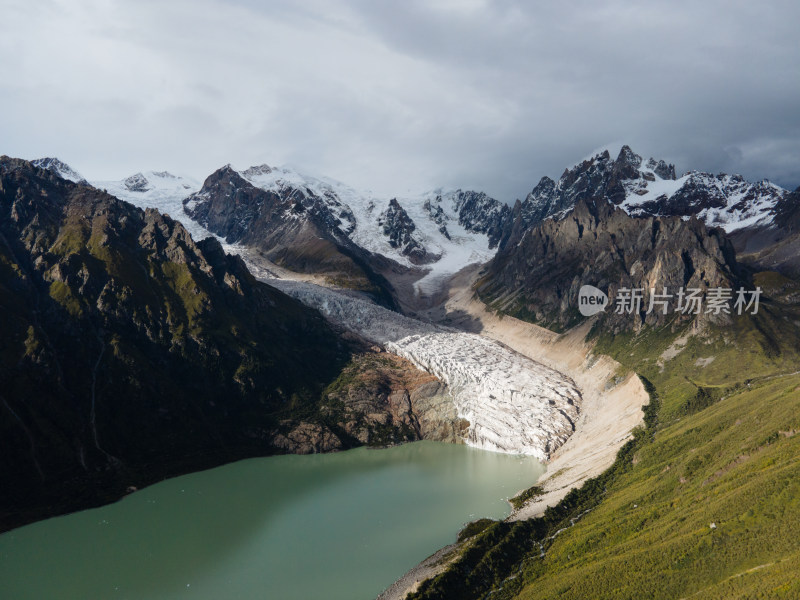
(436, 414)
(137, 183)
(662, 169)
(399, 228)
(538, 278)
(388, 400)
(379, 399)
(480, 213)
(307, 438)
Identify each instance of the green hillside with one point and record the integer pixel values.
(705, 502)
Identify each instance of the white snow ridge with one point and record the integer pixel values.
(513, 404)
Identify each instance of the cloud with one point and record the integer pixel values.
(401, 96)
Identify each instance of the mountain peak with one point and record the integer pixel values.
(661, 168)
(255, 171)
(651, 188)
(60, 168)
(629, 157)
(400, 230)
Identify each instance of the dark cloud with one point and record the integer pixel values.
(399, 96)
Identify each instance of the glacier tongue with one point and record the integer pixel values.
(513, 404)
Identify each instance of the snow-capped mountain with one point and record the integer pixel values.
(775, 247)
(726, 201)
(322, 226)
(370, 243)
(61, 169)
(440, 232)
(651, 188)
(157, 189)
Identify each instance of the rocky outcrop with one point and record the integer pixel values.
(137, 183)
(399, 228)
(378, 400)
(480, 213)
(383, 399)
(538, 278)
(661, 168)
(438, 216)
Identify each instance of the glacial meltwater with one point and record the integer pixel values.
(330, 526)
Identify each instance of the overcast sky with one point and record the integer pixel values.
(398, 96)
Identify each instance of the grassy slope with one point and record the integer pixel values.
(725, 452)
(722, 450)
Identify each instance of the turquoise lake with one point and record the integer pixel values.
(330, 526)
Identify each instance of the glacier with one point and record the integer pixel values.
(513, 404)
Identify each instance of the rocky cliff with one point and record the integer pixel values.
(399, 229)
(480, 213)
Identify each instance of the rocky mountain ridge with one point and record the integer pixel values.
(651, 188)
(774, 246)
(439, 232)
(411, 235)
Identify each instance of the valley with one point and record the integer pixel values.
(449, 316)
(453, 300)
